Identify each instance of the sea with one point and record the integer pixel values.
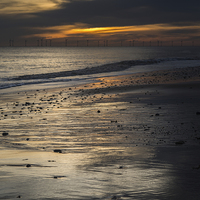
(23, 68)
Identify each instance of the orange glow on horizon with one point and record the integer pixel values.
(83, 30)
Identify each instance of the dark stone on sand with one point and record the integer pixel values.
(27, 139)
(4, 133)
(198, 167)
(179, 142)
(56, 177)
(51, 161)
(197, 113)
(27, 103)
(19, 196)
(28, 165)
(57, 151)
(98, 111)
(157, 114)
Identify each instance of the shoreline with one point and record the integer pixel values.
(157, 77)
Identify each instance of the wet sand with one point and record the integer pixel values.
(124, 137)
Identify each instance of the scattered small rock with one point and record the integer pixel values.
(157, 114)
(98, 111)
(180, 142)
(56, 177)
(51, 161)
(198, 167)
(27, 104)
(28, 165)
(57, 151)
(5, 133)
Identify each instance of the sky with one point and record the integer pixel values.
(121, 22)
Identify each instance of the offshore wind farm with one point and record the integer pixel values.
(98, 43)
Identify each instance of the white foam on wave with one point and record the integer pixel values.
(113, 67)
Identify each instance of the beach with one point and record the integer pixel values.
(132, 136)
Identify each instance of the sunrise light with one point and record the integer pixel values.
(83, 30)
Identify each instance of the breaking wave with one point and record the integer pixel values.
(81, 74)
(119, 66)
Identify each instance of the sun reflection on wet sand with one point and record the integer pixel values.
(99, 173)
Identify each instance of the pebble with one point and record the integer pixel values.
(4, 133)
(179, 142)
(28, 165)
(56, 177)
(57, 151)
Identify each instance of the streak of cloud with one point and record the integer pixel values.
(100, 18)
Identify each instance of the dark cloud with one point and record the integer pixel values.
(100, 13)
(125, 12)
